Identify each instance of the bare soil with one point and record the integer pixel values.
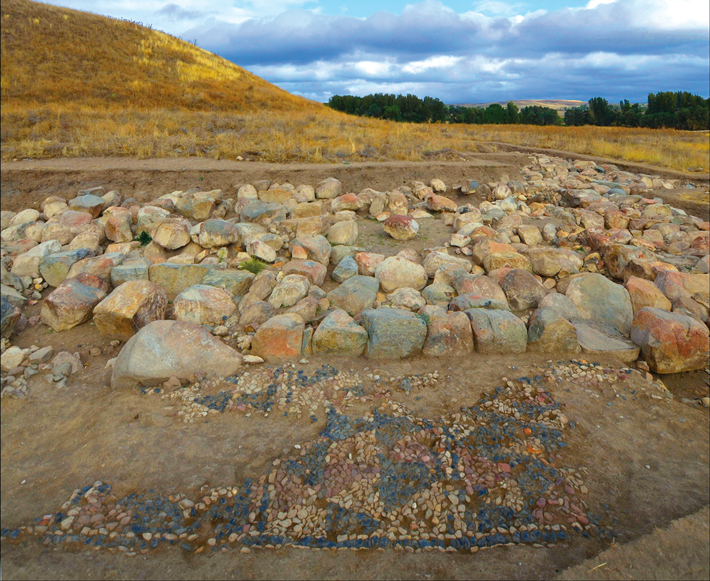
(26, 184)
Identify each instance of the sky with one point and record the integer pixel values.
(460, 51)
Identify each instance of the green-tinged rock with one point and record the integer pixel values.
(550, 332)
(133, 269)
(497, 331)
(54, 268)
(237, 282)
(393, 333)
(355, 295)
(339, 334)
(175, 278)
(347, 268)
(598, 299)
(263, 213)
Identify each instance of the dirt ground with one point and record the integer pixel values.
(27, 183)
(647, 459)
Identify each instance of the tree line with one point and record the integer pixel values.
(680, 110)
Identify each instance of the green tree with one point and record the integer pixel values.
(513, 113)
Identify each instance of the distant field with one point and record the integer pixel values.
(557, 104)
(76, 84)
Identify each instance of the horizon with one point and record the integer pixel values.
(458, 51)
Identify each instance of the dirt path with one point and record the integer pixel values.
(650, 556)
(27, 183)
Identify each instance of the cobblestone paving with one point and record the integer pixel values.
(491, 474)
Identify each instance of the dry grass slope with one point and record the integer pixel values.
(77, 84)
(57, 55)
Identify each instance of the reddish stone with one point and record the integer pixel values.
(644, 293)
(401, 227)
(437, 203)
(670, 342)
(72, 302)
(367, 262)
(314, 271)
(280, 338)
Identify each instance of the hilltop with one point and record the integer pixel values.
(557, 104)
(57, 55)
(76, 84)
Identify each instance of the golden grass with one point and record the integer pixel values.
(76, 85)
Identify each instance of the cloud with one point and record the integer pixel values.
(175, 12)
(495, 51)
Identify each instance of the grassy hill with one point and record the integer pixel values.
(52, 54)
(75, 84)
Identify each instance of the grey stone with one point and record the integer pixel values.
(393, 333)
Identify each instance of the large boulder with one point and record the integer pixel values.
(599, 299)
(395, 272)
(670, 342)
(343, 233)
(355, 295)
(393, 333)
(73, 302)
(347, 268)
(129, 308)
(27, 264)
(175, 278)
(54, 268)
(551, 262)
(506, 260)
(314, 271)
(133, 269)
(448, 333)
(329, 188)
(280, 338)
(477, 284)
(644, 293)
(497, 331)
(522, 289)
(401, 227)
(203, 305)
(236, 282)
(88, 203)
(339, 334)
(195, 206)
(118, 225)
(317, 248)
(165, 349)
(172, 235)
(216, 233)
(263, 213)
(550, 332)
(9, 316)
(598, 338)
(100, 266)
(289, 291)
(436, 259)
